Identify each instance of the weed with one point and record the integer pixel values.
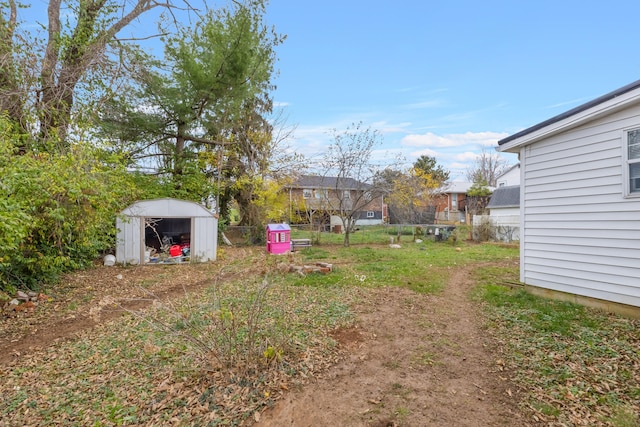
(391, 364)
(402, 413)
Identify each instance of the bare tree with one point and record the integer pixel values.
(41, 83)
(350, 174)
(487, 168)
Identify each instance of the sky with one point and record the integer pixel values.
(443, 78)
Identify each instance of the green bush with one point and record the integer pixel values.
(57, 211)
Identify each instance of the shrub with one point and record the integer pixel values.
(57, 210)
(484, 231)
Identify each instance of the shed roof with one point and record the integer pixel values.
(166, 208)
(505, 197)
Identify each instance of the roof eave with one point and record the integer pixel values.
(570, 119)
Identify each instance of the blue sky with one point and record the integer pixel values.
(446, 78)
(443, 78)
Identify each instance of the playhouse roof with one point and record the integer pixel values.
(278, 227)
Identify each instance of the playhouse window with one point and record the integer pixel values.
(632, 160)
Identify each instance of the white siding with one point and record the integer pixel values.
(513, 213)
(511, 177)
(579, 234)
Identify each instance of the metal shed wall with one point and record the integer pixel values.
(130, 225)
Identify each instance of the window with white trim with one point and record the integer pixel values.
(632, 160)
(371, 214)
(307, 193)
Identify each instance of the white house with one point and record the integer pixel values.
(580, 202)
(154, 223)
(509, 177)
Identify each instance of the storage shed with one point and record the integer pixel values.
(278, 238)
(155, 225)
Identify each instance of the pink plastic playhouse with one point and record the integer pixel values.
(278, 238)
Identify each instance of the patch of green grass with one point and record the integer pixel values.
(624, 416)
(402, 413)
(391, 364)
(574, 361)
(425, 358)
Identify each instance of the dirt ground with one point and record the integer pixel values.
(413, 360)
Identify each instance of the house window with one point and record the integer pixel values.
(632, 159)
(321, 194)
(346, 194)
(306, 193)
(371, 214)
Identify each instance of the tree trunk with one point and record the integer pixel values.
(71, 62)
(11, 99)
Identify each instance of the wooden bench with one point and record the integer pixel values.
(297, 244)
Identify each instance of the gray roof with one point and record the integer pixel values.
(315, 181)
(505, 197)
(576, 110)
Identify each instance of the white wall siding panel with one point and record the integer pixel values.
(579, 234)
(571, 286)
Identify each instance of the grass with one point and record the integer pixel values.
(579, 366)
(423, 267)
(576, 366)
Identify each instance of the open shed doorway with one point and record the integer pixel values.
(167, 239)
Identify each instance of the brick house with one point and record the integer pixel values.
(450, 203)
(318, 200)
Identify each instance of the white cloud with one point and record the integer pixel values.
(432, 140)
(466, 157)
(425, 104)
(565, 103)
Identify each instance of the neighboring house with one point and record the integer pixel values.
(504, 212)
(313, 199)
(509, 177)
(451, 202)
(580, 202)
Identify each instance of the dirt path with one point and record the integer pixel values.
(415, 360)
